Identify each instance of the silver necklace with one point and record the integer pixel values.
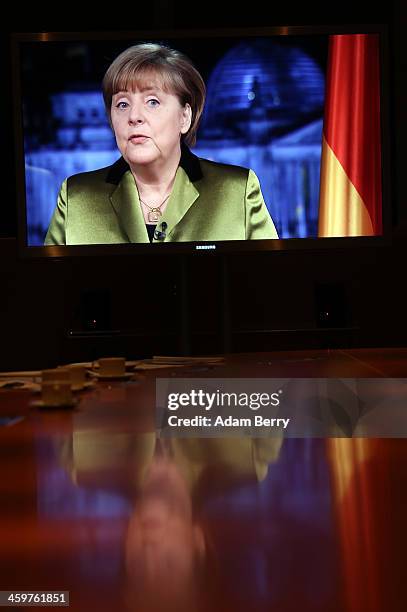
(154, 211)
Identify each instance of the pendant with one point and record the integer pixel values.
(154, 215)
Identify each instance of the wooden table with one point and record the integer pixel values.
(92, 504)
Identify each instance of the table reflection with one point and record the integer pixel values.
(97, 503)
(211, 523)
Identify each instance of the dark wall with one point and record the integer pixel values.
(206, 303)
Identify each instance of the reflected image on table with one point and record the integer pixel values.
(207, 522)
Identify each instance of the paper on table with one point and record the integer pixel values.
(18, 383)
(177, 359)
(143, 365)
(177, 362)
(94, 365)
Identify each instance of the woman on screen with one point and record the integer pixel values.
(158, 191)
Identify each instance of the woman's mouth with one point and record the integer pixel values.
(138, 139)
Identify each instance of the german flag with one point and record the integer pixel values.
(350, 201)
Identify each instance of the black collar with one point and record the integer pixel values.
(189, 162)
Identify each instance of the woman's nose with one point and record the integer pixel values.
(136, 115)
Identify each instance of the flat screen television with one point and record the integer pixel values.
(305, 108)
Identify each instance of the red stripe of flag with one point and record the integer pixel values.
(352, 115)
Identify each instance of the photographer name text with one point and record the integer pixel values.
(229, 421)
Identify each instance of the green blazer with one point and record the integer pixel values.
(209, 202)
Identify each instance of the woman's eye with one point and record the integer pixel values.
(122, 105)
(153, 102)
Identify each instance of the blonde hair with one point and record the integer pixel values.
(174, 70)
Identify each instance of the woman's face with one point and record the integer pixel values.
(148, 123)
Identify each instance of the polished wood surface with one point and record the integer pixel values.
(94, 503)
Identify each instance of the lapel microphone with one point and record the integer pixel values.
(160, 234)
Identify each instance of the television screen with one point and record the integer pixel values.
(289, 143)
